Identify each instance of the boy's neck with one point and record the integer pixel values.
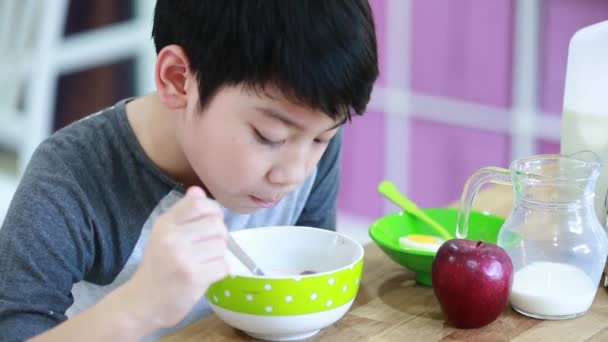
(154, 127)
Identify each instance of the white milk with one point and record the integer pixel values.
(552, 289)
(585, 110)
(586, 131)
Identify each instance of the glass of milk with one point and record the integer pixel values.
(553, 236)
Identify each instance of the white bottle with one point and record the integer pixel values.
(585, 116)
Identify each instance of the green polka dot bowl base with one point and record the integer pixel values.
(311, 279)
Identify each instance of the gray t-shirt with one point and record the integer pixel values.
(80, 218)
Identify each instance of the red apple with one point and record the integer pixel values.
(472, 281)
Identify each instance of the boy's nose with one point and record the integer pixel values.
(291, 170)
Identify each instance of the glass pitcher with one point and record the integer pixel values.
(556, 243)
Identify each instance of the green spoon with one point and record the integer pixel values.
(390, 191)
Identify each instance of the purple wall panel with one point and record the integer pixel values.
(561, 19)
(545, 146)
(379, 10)
(362, 166)
(462, 49)
(433, 47)
(443, 157)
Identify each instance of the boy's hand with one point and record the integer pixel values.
(184, 255)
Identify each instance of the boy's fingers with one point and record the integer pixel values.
(215, 270)
(203, 229)
(196, 191)
(192, 207)
(210, 249)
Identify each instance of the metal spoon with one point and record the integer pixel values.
(233, 247)
(240, 254)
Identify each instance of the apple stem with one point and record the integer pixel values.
(479, 243)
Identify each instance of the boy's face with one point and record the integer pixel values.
(250, 149)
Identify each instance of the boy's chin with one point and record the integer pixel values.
(244, 205)
(242, 209)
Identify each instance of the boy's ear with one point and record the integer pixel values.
(172, 74)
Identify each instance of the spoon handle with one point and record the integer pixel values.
(233, 247)
(240, 254)
(390, 191)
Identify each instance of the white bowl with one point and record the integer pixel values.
(285, 305)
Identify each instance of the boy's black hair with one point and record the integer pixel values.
(319, 53)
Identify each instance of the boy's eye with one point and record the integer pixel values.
(262, 139)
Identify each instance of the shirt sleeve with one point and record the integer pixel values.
(321, 206)
(44, 248)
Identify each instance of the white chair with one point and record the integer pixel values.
(30, 32)
(34, 53)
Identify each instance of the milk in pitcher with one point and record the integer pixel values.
(551, 289)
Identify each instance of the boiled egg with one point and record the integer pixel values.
(421, 242)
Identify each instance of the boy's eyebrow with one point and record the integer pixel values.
(280, 116)
(285, 119)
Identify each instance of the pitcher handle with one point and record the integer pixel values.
(491, 174)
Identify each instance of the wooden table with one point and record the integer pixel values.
(391, 307)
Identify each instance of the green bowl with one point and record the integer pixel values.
(387, 230)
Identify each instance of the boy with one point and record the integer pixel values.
(242, 131)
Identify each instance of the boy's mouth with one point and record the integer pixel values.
(263, 203)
